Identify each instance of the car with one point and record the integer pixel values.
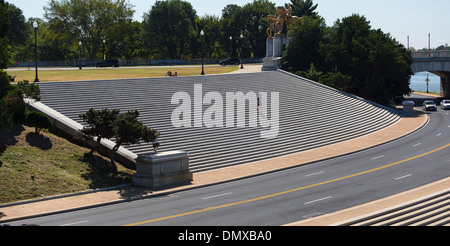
(231, 61)
(108, 63)
(429, 105)
(445, 104)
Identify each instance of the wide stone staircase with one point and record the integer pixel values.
(310, 115)
(430, 211)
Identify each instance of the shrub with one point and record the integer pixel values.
(38, 120)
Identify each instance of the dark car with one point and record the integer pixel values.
(108, 63)
(231, 61)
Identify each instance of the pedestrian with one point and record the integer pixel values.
(155, 145)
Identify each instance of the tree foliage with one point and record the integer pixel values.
(359, 59)
(4, 31)
(100, 125)
(168, 27)
(87, 21)
(129, 130)
(308, 34)
(302, 8)
(12, 99)
(38, 120)
(125, 128)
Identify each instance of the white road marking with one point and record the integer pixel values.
(439, 134)
(225, 194)
(378, 157)
(403, 177)
(76, 223)
(325, 198)
(312, 174)
(415, 145)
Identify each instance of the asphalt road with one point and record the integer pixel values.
(290, 195)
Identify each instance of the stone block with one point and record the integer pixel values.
(408, 108)
(162, 169)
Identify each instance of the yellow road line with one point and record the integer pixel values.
(288, 191)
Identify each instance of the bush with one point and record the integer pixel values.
(38, 120)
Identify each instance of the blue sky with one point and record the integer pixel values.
(400, 18)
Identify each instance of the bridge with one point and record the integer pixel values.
(436, 62)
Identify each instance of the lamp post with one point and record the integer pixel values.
(231, 46)
(35, 25)
(428, 82)
(79, 59)
(242, 45)
(202, 33)
(104, 56)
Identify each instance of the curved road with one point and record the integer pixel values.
(290, 195)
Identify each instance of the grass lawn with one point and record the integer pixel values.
(32, 166)
(116, 73)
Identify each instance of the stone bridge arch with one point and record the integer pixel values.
(436, 62)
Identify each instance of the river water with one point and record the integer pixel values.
(418, 82)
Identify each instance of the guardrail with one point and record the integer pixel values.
(440, 54)
(161, 62)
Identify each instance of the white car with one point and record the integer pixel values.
(429, 105)
(445, 104)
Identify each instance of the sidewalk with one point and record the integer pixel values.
(97, 198)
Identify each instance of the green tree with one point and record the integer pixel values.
(208, 43)
(87, 21)
(302, 8)
(169, 27)
(379, 66)
(305, 47)
(129, 130)
(350, 56)
(100, 125)
(4, 31)
(21, 36)
(254, 25)
(38, 120)
(125, 40)
(12, 99)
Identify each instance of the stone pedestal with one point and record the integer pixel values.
(408, 108)
(274, 52)
(269, 47)
(161, 169)
(271, 63)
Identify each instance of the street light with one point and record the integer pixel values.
(242, 45)
(79, 43)
(231, 46)
(428, 82)
(202, 33)
(35, 25)
(104, 56)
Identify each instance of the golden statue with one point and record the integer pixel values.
(278, 24)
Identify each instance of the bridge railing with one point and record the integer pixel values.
(439, 54)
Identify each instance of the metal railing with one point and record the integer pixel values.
(136, 62)
(439, 54)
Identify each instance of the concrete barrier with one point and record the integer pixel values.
(408, 108)
(161, 169)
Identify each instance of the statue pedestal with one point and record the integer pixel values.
(271, 63)
(161, 169)
(274, 52)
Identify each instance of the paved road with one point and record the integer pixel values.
(289, 195)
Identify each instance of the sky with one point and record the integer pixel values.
(400, 18)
